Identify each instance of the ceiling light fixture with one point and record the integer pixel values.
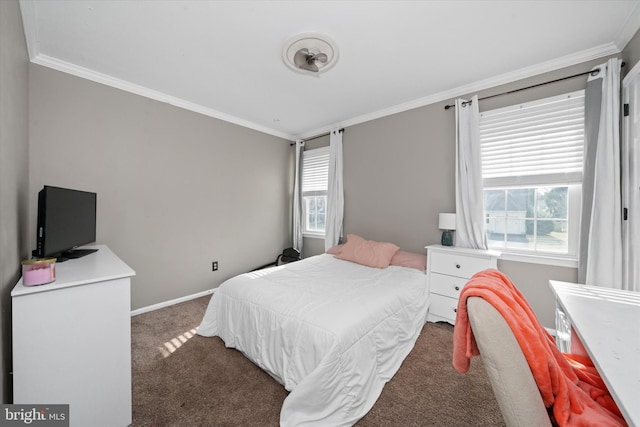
(310, 52)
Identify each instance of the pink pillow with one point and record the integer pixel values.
(367, 252)
(335, 250)
(411, 260)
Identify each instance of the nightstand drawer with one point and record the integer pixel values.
(443, 307)
(447, 285)
(458, 265)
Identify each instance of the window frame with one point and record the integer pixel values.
(569, 259)
(571, 180)
(318, 188)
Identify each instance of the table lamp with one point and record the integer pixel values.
(447, 223)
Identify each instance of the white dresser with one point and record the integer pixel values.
(448, 270)
(72, 340)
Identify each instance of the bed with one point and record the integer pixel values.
(331, 331)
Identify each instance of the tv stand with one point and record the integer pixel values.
(72, 340)
(67, 255)
(75, 254)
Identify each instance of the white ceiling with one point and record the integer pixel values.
(224, 58)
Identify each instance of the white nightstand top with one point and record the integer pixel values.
(457, 250)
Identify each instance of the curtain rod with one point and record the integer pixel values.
(317, 136)
(592, 72)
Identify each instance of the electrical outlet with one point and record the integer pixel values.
(214, 266)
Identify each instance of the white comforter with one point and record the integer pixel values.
(331, 331)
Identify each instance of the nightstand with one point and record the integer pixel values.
(448, 270)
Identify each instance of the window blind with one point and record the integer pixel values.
(540, 142)
(315, 169)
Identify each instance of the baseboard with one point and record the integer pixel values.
(170, 302)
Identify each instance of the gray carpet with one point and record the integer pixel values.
(182, 379)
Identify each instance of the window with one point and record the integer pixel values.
(532, 173)
(315, 177)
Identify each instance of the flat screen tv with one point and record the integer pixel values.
(66, 220)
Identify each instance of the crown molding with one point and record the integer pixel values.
(523, 73)
(566, 61)
(29, 22)
(629, 28)
(107, 80)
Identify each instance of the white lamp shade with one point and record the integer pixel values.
(447, 221)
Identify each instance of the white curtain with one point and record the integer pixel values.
(631, 182)
(335, 193)
(601, 227)
(297, 198)
(470, 224)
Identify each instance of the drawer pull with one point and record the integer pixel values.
(457, 288)
(457, 265)
(455, 310)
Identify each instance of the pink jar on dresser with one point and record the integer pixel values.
(38, 271)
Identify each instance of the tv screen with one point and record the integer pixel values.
(66, 219)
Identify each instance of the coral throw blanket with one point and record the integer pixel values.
(569, 385)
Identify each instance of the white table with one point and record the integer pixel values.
(607, 323)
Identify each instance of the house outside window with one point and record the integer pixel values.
(532, 157)
(315, 178)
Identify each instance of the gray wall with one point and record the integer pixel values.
(14, 171)
(176, 189)
(631, 53)
(398, 175)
